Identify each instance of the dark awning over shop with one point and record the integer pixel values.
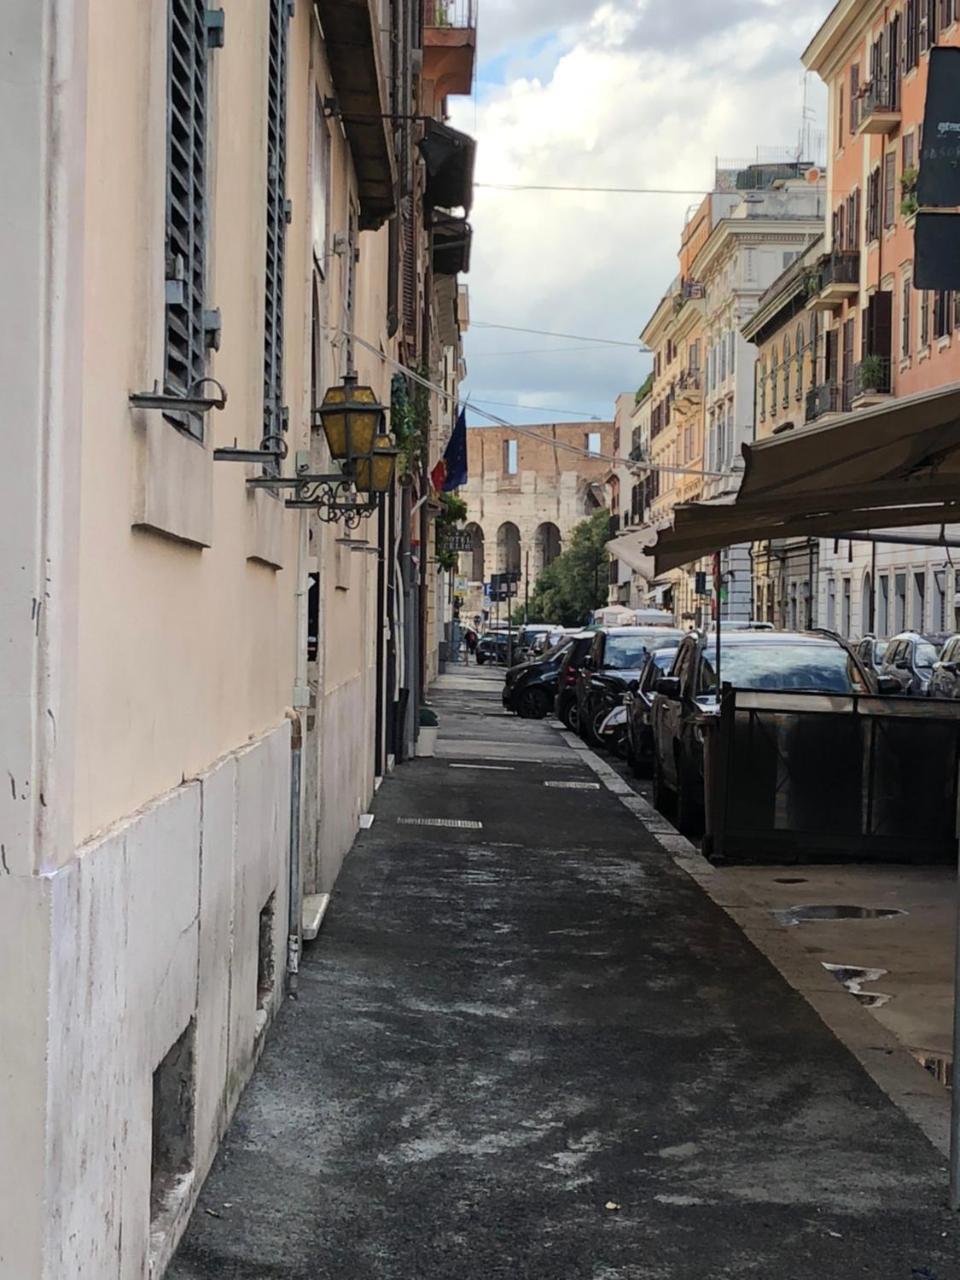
(451, 244)
(449, 158)
(891, 467)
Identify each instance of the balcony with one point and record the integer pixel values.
(877, 114)
(872, 382)
(449, 47)
(822, 400)
(352, 33)
(839, 279)
(689, 390)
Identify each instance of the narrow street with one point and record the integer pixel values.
(527, 1044)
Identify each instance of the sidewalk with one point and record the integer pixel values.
(535, 1048)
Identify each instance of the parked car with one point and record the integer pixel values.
(530, 688)
(910, 659)
(610, 668)
(870, 651)
(495, 644)
(685, 703)
(639, 733)
(945, 681)
(612, 733)
(566, 708)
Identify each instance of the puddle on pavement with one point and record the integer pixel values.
(789, 880)
(939, 1065)
(853, 977)
(812, 913)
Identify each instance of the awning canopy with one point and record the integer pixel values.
(630, 549)
(452, 238)
(449, 157)
(890, 467)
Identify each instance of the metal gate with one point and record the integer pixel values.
(805, 777)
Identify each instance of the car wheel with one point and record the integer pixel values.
(480, 659)
(661, 796)
(689, 805)
(533, 704)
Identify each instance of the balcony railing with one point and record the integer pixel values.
(841, 267)
(689, 380)
(822, 400)
(877, 112)
(459, 14)
(872, 376)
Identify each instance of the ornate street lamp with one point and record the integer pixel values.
(351, 418)
(374, 474)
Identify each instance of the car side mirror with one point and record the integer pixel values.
(887, 684)
(588, 664)
(669, 686)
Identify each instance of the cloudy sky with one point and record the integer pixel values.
(631, 93)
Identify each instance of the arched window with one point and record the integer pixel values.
(774, 371)
(508, 548)
(800, 353)
(546, 546)
(786, 373)
(472, 562)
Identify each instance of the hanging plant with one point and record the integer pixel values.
(453, 512)
(410, 421)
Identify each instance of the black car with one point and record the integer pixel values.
(610, 669)
(565, 707)
(945, 681)
(495, 647)
(870, 651)
(685, 703)
(530, 688)
(639, 736)
(910, 659)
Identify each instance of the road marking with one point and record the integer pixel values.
(466, 823)
(499, 768)
(575, 786)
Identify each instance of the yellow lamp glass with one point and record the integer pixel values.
(374, 474)
(350, 416)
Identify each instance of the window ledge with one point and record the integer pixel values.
(923, 354)
(174, 488)
(265, 528)
(944, 342)
(905, 363)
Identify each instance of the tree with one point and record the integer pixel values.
(575, 584)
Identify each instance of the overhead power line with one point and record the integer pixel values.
(540, 408)
(573, 337)
(618, 191)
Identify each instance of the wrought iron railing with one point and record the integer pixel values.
(452, 13)
(875, 97)
(840, 267)
(821, 400)
(873, 373)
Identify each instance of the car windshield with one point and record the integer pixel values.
(822, 668)
(926, 655)
(624, 653)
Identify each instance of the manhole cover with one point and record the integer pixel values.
(817, 911)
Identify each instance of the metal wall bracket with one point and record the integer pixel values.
(215, 20)
(174, 402)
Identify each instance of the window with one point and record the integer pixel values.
(732, 362)
(854, 93)
(762, 382)
(840, 118)
(905, 305)
(320, 212)
(883, 602)
(723, 357)
(911, 40)
(831, 605)
(942, 313)
(908, 151)
(786, 373)
(509, 457)
(845, 608)
(274, 413)
(889, 189)
(899, 601)
(592, 442)
(873, 205)
(185, 354)
(919, 605)
(924, 318)
(940, 600)
(774, 370)
(789, 257)
(800, 346)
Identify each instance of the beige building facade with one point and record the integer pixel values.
(199, 684)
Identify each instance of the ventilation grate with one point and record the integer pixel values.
(574, 786)
(463, 823)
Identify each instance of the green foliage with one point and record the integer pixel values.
(645, 388)
(410, 423)
(908, 186)
(453, 511)
(871, 373)
(575, 584)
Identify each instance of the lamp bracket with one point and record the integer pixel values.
(190, 401)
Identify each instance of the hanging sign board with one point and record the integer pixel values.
(938, 185)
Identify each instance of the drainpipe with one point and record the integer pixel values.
(294, 922)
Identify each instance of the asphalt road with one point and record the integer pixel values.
(536, 1049)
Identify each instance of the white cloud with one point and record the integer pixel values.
(640, 93)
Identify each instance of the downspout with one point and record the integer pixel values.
(294, 923)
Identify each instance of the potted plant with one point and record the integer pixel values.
(427, 735)
(871, 374)
(908, 190)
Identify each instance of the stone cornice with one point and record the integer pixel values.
(847, 21)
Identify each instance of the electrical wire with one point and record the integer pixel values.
(627, 463)
(619, 191)
(534, 351)
(583, 415)
(574, 337)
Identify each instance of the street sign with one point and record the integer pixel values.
(460, 540)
